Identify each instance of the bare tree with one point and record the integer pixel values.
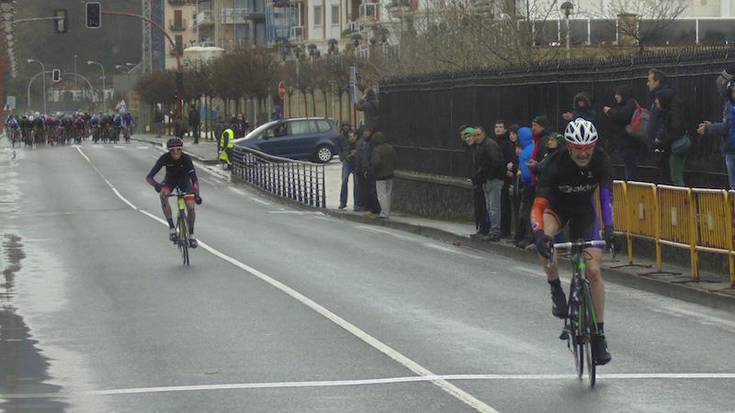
(640, 21)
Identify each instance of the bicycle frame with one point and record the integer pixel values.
(181, 224)
(581, 322)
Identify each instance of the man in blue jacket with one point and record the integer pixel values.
(527, 189)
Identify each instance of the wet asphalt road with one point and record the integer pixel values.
(292, 311)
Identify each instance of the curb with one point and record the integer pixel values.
(707, 298)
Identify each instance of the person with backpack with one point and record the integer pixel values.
(621, 116)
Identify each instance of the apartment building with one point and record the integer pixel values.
(178, 20)
(230, 24)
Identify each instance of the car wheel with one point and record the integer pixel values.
(324, 154)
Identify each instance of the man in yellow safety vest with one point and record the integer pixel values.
(226, 144)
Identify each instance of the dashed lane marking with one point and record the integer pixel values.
(421, 371)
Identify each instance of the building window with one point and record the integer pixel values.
(179, 41)
(317, 15)
(335, 15)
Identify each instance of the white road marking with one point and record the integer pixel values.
(383, 231)
(119, 147)
(450, 250)
(287, 212)
(143, 147)
(260, 201)
(372, 382)
(421, 371)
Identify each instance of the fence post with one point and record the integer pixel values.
(693, 254)
(657, 230)
(626, 211)
(728, 230)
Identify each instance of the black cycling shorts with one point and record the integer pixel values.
(583, 222)
(184, 185)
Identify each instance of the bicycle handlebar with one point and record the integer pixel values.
(580, 244)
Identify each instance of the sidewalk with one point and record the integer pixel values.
(713, 290)
(205, 151)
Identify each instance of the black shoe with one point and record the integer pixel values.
(493, 238)
(599, 350)
(193, 243)
(173, 235)
(559, 309)
(342, 206)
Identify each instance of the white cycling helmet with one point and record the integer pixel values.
(580, 132)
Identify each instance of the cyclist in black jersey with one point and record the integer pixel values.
(565, 195)
(180, 173)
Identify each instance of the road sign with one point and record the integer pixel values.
(282, 90)
(56, 75)
(10, 103)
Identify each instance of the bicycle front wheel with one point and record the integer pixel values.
(590, 319)
(183, 243)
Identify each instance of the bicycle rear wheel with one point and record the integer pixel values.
(183, 242)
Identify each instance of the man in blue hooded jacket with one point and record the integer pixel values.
(527, 190)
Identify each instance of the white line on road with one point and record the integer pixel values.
(421, 371)
(450, 250)
(260, 201)
(287, 212)
(119, 147)
(380, 381)
(383, 231)
(143, 147)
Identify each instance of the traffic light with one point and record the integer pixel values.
(62, 21)
(93, 15)
(56, 75)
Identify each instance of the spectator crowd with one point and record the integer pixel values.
(370, 160)
(504, 166)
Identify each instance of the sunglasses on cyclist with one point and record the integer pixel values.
(584, 148)
(174, 150)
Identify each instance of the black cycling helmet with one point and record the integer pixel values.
(174, 143)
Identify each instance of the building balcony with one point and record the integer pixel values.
(368, 13)
(398, 8)
(297, 34)
(204, 18)
(241, 16)
(180, 2)
(178, 26)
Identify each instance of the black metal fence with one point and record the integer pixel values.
(421, 114)
(303, 182)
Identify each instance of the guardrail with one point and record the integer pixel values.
(300, 181)
(699, 220)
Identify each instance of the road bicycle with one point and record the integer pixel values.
(581, 322)
(182, 226)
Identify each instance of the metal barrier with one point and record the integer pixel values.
(676, 221)
(714, 227)
(700, 220)
(300, 181)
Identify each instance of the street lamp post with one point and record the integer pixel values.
(567, 8)
(91, 62)
(43, 77)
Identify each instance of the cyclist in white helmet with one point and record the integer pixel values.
(566, 185)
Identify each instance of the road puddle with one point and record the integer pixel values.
(23, 367)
